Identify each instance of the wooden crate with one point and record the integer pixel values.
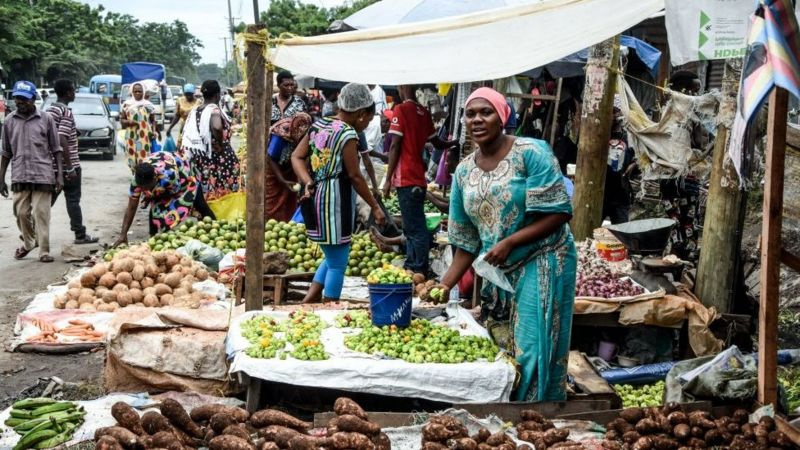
(276, 287)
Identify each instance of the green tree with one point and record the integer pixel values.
(305, 19)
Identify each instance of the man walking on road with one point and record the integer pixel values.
(411, 128)
(30, 145)
(68, 138)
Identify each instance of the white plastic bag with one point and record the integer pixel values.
(492, 274)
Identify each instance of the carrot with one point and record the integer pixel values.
(78, 322)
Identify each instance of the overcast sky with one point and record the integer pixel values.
(206, 19)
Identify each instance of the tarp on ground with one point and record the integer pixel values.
(479, 46)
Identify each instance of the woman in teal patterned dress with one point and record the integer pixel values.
(509, 205)
(328, 195)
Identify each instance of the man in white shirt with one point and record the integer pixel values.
(379, 97)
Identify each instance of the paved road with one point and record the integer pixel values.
(104, 199)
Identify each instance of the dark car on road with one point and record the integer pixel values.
(95, 124)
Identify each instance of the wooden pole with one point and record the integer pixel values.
(771, 248)
(716, 270)
(256, 127)
(598, 103)
(554, 127)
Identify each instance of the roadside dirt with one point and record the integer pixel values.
(105, 185)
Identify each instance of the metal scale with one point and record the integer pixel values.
(645, 241)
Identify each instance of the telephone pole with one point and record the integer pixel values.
(227, 73)
(233, 41)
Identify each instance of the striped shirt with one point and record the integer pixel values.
(65, 123)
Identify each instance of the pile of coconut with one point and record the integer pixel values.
(137, 277)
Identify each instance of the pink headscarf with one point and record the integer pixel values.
(496, 99)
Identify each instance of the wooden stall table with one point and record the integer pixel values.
(276, 287)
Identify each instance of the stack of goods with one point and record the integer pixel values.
(137, 277)
(448, 433)
(534, 428)
(77, 330)
(597, 278)
(389, 274)
(392, 205)
(220, 427)
(366, 257)
(422, 342)
(43, 422)
(643, 396)
(669, 428)
(269, 337)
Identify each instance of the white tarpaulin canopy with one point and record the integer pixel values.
(390, 12)
(481, 46)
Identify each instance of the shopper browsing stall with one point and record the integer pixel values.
(330, 187)
(508, 204)
(411, 128)
(138, 119)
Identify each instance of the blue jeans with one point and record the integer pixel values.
(415, 228)
(330, 273)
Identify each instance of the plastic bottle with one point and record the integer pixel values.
(452, 305)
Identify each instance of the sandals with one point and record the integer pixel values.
(21, 252)
(46, 259)
(86, 239)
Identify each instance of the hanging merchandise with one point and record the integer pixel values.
(773, 60)
(706, 29)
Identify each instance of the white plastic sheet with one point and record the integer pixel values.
(478, 46)
(477, 382)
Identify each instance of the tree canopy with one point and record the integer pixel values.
(65, 38)
(306, 19)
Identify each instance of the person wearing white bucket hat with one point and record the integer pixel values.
(329, 189)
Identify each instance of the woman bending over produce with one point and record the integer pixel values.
(508, 204)
(328, 195)
(168, 187)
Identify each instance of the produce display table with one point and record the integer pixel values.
(475, 382)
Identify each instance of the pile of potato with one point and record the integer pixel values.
(219, 427)
(448, 433)
(669, 428)
(136, 277)
(534, 428)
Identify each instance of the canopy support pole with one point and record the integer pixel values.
(554, 128)
(598, 103)
(719, 255)
(257, 105)
(771, 248)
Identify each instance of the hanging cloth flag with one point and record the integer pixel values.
(773, 59)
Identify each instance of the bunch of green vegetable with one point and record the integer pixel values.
(642, 396)
(789, 376)
(422, 342)
(44, 422)
(358, 318)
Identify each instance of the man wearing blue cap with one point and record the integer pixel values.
(30, 144)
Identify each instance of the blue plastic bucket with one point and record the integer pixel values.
(390, 304)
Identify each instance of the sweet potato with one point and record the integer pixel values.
(682, 431)
(305, 442)
(230, 442)
(127, 417)
(153, 422)
(463, 444)
(529, 414)
(203, 413)
(632, 415)
(500, 438)
(437, 432)
(125, 437)
(267, 445)
(529, 425)
(767, 422)
(237, 430)
(761, 431)
(484, 446)
(165, 439)
(382, 442)
(611, 445)
(348, 422)
(482, 435)
(435, 446)
(631, 437)
(344, 405)
(696, 443)
(713, 437)
(663, 443)
(107, 443)
(741, 416)
(506, 446)
(278, 434)
(173, 411)
(220, 421)
(553, 435)
(355, 441)
(266, 417)
(647, 426)
(644, 443)
(701, 419)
